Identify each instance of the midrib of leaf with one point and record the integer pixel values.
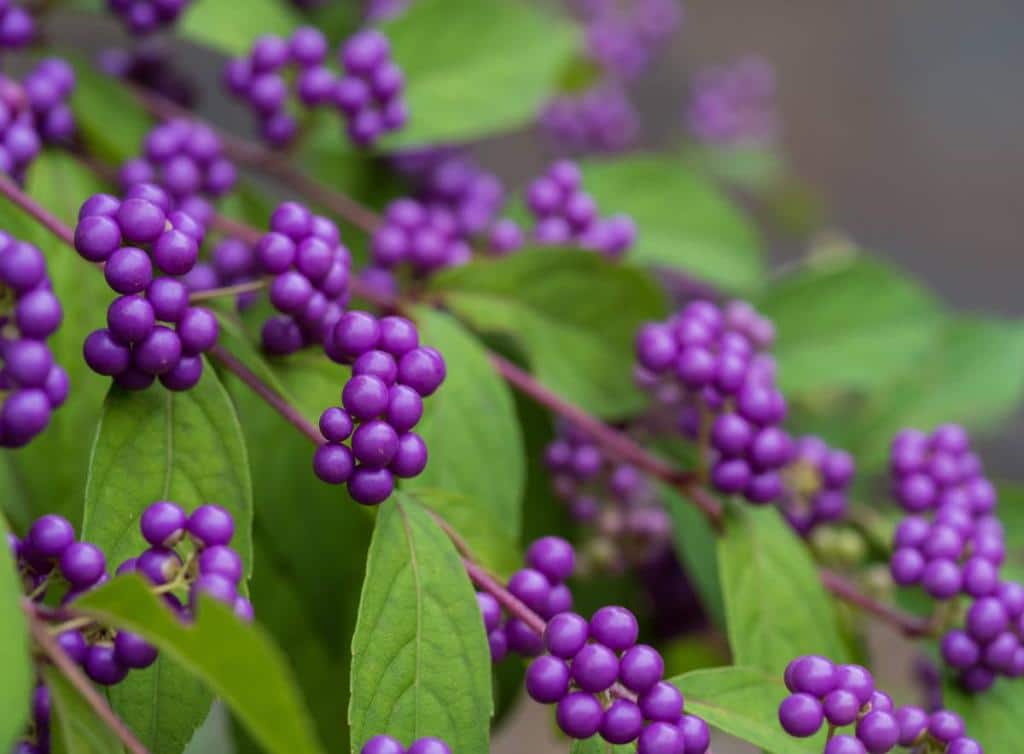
(414, 566)
(169, 442)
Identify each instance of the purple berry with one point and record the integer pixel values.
(579, 715)
(132, 651)
(210, 525)
(662, 702)
(565, 635)
(547, 679)
(595, 668)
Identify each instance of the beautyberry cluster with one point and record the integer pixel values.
(147, 16)
(586, 660)
(541, 586)
(210, 565)
(17, 27)
(734, 104)
(705, 363)
(565, 214)
(32, 384)
(616, 498)
(389, 745)
(599, 120)
(380, 405)
(426, 238)
(369, 96)
(845, 695)
(186, 159)
(33, 112)
(622, 37)
(474, 196)
(814, 484)
(309, 269)
(152, 331)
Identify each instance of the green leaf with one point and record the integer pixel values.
(220, 25)
(75, 728)
(682, 220)
(464, 58)
(159, 445)
(828, 338)
(214, 736)
(236, 660)
(775, 605)
(60, 184)
(574, 314)
(694, 542)
(992, 718)
(15, 659)
(470, 427)
(744, 702)
(598, 745)
(421, 665)
(96, 96)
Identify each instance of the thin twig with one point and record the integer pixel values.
(228, 290)
(909, 625)
(42, 215)
(78, 679)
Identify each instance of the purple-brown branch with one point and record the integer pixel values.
(909, 625)
(39, 213)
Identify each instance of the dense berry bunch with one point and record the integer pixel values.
(17, 27)
(615, 498)
(601, 120)
(930, 472)
(473, 195)
(380, 404)
(584, 661)
(704, 362)
(541, 586)
(185, 159)
(369, 96)
(147, 16)
(139, 343)
(624, 36)
(309, 268)
(210, 565)
(844, 695)
(151, 67)
(566, 215)
(389, 745)
(734, 104)
(33, 112)
(424, 238)
(991, 642)
(32, 385)
(814, 484)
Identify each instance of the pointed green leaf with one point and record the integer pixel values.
(15, 659)
(694, 542)
(159, 445)
(470, 427)
(75, 728)
(237, 661)
(743, 702)
(775, 605)
(420, 665)
(682, 220)
(221, 26)
(462, 58)
(96, 96)
(574, 314)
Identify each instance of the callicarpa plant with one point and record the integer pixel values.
(320, 435)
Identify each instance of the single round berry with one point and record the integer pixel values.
(912, 721)
(547, 679)
(801, 715)
(878, 731)
(163, 524)
(82, 564)
(50, 536)
(382, 745)
(841, 707)
(421, 369)
(640, 668)
(158, 564)
(661, 738)
(374, 444)
(565, 635)
(595, 668)
(335, 424)
(663, 702)
(622, 722)
(371, 486)
(132, 651)
(214, 586)
(223, 561)
(945, 726)
(579, 715)
(365, 397)
(812, 674)
(102, 665)
(210, 525)
(411, 457)
(333, 463)
(490, 611)
(844, 744)
(552, 556)
(614, 627)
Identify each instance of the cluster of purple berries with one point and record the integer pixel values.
(369, 95)
(134, 348)
(17, 27)
(599, 120)
(424, 238)
(541, 586)
(309, 268)
(33, 112)
(734, 105)
(380, 405)
(846, 695)
(473, 195)
(705, 363)
(991, 643)
(814, 484)
(32, 384)
(624, 36)
(186, 159)
(147, 16)
(566, 215)
(211, 566)
(584, 663)
(616, 498)
(390, 745)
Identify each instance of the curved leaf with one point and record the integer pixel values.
(15, 658)
(420, 661)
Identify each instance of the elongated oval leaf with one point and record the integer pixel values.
(96, 96)
(775, 605)
(682, 220)
(158, 445)
(420, 662)
(16, 678)
(476, 68)
(470, 427)
(75, 728)
(236, 660)
(574, 314)
(694, 542)
(744, 703)
(222, 26)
